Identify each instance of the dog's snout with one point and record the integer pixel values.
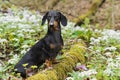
(51, 23)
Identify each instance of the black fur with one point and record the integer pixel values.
(42, 50)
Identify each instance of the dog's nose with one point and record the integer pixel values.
(51, 24)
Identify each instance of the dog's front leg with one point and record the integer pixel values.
(48, 63)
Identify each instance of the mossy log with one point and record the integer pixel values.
(95, 5)
(66, 64)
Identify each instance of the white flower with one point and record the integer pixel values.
(93, 79)
(23, 51)
(25, 46)
(111, 65)
(118, 58)
(14, 59)
(108, 72)
(3, 40)
(97, 31)
(32, 18)
(109, 60)
(110, 48)
(69, 78)
(94, 41)
(112, 34)
(117, 65)
(98, 51)
(15, 39)
(20, 35)
(87, 73)
(104, 38)
(108, 54)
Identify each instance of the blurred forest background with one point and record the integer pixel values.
(91, 38)
(106, 15)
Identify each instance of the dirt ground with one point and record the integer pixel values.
(108, 15)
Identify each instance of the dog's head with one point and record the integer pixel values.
(54, 18)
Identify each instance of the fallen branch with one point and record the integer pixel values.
(60, 70)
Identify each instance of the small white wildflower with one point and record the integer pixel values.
(108, 54)
(23, 51)
(110, 48)
(112, 34)
(108, 72)
(82, 29)
(118, 58)
(111, 65)
(20, 35)
(98, 51)
(93, 79)
(3, 40)
(94, 41)
(104, 38)
(14, 59)
(90, 47)
(117, 65)
(15, 39)
(96, 30)
(25, 46)
(31, 31)
(87, 73)
(109, 60)
(77, 28)
(69, 78)
(32, 18)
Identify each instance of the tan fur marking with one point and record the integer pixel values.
(52, 46)
(55, 25)
(48, 63)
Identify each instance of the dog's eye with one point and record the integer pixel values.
(56, 17)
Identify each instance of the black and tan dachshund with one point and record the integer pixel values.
(47, 48)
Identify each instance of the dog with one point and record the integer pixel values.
(47, 48)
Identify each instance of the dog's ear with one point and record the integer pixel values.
(44, 19)
(63, 19)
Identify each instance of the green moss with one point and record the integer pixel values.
(78, 51)
(44, 75)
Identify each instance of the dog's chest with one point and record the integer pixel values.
(56, 42)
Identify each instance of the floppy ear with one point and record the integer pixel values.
(63, 19)
(44, 18)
